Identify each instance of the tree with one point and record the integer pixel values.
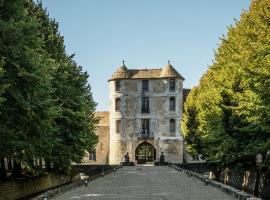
(75, 122)
(46, 106)
(230, 115)
(25, 115)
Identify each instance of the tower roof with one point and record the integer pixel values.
(166, 72)
(121, 72)
(169, 72)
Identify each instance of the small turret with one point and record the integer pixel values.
(169, 72)
(121, 72)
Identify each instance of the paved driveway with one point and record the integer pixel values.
(151, 183)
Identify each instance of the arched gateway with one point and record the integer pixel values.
(145, 152)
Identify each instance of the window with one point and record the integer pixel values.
(145, 105)
(145, 85)
(118, 126)
(117, 86)
(172, 125)
(117, 104)
(172, 104)
(92, 154)
(172, 84)
(145, 126)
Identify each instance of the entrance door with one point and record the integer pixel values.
(145, 152)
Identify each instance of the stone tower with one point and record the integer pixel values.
(145, 107)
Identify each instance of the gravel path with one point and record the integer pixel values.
(149, 183)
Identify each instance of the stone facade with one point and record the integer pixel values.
(161, 90)
(100, 154)
(145, 111)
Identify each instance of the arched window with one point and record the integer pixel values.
(172, 125)
(117, 104)
(172, 104)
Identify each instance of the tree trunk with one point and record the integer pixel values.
(3, 174)
(31, 162)
(48, 165)
(9, 164)
(40, 163)
(257, 181)
(17, 169)
(217, 173)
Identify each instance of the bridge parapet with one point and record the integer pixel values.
(91, 170)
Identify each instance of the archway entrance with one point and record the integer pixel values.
(145, 152)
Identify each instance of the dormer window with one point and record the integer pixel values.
(117, 86)
(172, 85)
(145, 85)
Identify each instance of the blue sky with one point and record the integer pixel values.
(145, 33)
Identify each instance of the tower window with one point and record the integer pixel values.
(117, 104)
(118, 126)
(172, 104)
(92, 154)
(145, 105)
(172, 84)
(145, 85)
(145, 126)
(172, 125)
(117, 86)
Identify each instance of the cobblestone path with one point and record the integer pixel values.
(149, 183)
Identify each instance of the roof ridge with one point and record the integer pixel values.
(146, 69)
(146, 73)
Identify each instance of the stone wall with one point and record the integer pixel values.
(94, 171)
(91, 170)
(103, 146)
(26, 187)
(245, 180)
(197, 167)
(171, 149)
(236, 177)
(19, 188)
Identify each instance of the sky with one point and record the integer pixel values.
(144, 33)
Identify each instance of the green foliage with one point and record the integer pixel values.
(228, 113)
(46, 106)
(3, 86)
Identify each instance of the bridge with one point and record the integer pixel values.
(146, 182)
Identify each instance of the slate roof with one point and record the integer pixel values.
(124, 73)
(121, 73)
(144, 73)
(169, 72)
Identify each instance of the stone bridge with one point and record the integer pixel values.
(146, 182)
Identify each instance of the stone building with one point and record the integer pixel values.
(100, 154)
(145, 110)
